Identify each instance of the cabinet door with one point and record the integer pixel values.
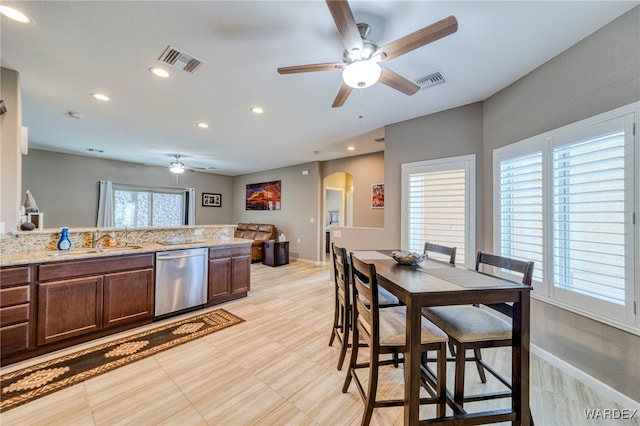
(69, 308)
(128, 297)
(241, 275)
(219, 278)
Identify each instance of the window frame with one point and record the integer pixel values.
(624, 318)
(466, 162)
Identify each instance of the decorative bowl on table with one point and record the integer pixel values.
(404, 257)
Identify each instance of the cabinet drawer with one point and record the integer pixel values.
(14, 338)
(15, 276)
(14, 314)
(218, 253)
(103, 265)
(14, 296)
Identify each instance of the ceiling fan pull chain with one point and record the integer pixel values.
(361, 115)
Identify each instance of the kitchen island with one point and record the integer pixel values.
(52, 299)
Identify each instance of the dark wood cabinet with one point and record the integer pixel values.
(128, 297)
(17, 310)
(82, 297)
(69, 308)
(219, 278)
(229, 273)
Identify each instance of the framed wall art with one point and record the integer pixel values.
(377, 196)
(263, 196)
(211, 200)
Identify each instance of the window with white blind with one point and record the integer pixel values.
(521, 210)
(568, 199)
(438, 196)
(143, 207)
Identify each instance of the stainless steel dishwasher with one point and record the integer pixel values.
(181, 280)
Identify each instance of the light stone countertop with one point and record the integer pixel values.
(47, 256)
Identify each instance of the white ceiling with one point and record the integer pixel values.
(75, 48)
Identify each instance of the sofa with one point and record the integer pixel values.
(259, 233)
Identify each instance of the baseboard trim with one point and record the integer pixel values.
(623, 400)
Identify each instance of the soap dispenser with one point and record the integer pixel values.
(64, 243)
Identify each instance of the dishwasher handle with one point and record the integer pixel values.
(161, 256)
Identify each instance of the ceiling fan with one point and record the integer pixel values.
(178, 166)
(360, 60)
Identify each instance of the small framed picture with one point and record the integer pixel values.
(211, 200)
(377, 196)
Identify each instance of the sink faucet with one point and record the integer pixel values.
(96, 239)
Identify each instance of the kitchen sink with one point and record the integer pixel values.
(95, 250)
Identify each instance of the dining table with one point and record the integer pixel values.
(438, 283)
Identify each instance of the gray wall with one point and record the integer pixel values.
(65, 186)
(600, 73)
(366, 169)
(445, 134)
(300, 205)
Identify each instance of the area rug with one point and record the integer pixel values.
(27, 384)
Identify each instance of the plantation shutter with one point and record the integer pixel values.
(436, 210)
(589, 216)
(521, 210)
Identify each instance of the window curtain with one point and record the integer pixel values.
(191, 206)
(105, 205)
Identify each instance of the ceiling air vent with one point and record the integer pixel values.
(429, 80)
(180, 60)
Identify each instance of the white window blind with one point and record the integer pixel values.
(521, 210)
(589, 216)
(568, 199)
(437, 204)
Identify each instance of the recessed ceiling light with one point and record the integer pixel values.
(14, 14)
(203, 125)
(100, 97)
(160, 72)
(351, 148)
(257, 110)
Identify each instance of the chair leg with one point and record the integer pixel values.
(452, 349)
(478, 356)
(458, 388)
(336, 313)
(353, 359)
(345, 340)
(441, 380)
(373, 389)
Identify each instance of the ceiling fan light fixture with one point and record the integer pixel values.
(361, 74)
(176, 167)
(14, 14)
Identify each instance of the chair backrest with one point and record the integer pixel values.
(365, 300)
(341, 273)
(437, 248)
(513, 265)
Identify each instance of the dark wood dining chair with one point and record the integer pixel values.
(470, 327)
(444, 250)
(342, 320)
(342, 312)
(384, 332)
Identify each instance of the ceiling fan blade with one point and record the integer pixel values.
(398, 82)
(346, 24)
(342, 96)
(330, 66)
(419, 38)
